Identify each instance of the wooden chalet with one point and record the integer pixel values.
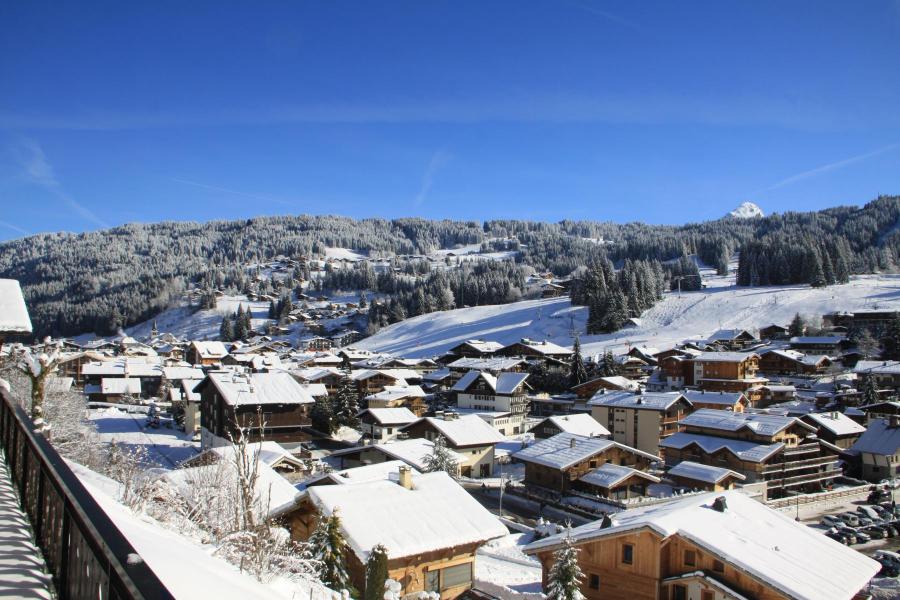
(696, 476)
(793, 362)
(469, 435)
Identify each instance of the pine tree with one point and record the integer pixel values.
(322, 417)
(226, 330)
(608, 367)
(564, 579)
(579, 372)
(797, 326)
(240, 324)
(376, 573)
(440, 458)
(327, 546)
(273, 310)
(363, 302)
(346, 403)
(870, 391)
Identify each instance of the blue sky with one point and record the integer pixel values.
(664, 112)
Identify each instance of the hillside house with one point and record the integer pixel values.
(727, 372)
(471, 349)
(553, 356)
(770, 394)
(830, 345)
(640, 420)
(206, 354)
(885, 373)
(614, 383)
(784, 452)
(411, 451)
(731, 339)
(504, 393)
(716, 546)
(468, 435)
(411, 397)
(697, 476)
(733, 401)
(382, 424)
(835, 427)
(774, 332)
(557, 463)
(443, 561)
(147, 370)
(273, 405)
(579, 424)
(877, 451)
(793, 362)
(372, 381)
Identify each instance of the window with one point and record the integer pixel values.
(457, 576)
(707, 595)
(718, 566)
(627, 554)
(679, 592)
(432, 581)
(595, 582)
(390, 430)
(690, 558)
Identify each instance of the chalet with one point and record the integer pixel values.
(411, 451)
(566, 403)
(835, 428)
(471, 349)
(147, 370)
(781, 451)
(881, 410)
(792, 362)
(114, 389)
(557, 463)
(330, 377)
(372, 381)
(316, 344)
(72, 363)
(614, 382)
(640, 420)
(552, 290)
(648, 355)
(421, 365)
(578, 424)
(174, 375)
(885, 373)
(382, 424)
(731, 339)
(497, 364)
(873, 320)
(443, 561)
(273, 454)
(877, 451)
(697, 476)
(716, 546)
(533, 349)
(825, 344)
(676, 371)
(632, 367)
(272, 405)
(504, 393)
(774, 332)
(411, 397)
(733, 401)
(206, 354)
(727, 372)
(468, 435)
(769, 394)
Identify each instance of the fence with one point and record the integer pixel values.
(86, 554)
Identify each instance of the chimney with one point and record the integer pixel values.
(719, 504)
(606, 523)
(405, 479)
(572, 442)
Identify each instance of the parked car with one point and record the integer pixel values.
(850, 519)
(887, 557)
(889, 529)
(849, 533)
(838, 537)
(886, 514)
(862, 537)
(832, 520)
(875, 532)
(869, 512)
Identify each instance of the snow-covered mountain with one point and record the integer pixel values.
(747, 210)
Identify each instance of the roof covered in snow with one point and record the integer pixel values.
(723, 398)
(466, 430)
(397, 392)
(699, 472)
(383, 471)
(724, 356)
(502, 384)
(579, 424)
(494, 364)
(120, 385)
(13, 312)
(566, 449)
(742, 449)
(413, 451)
(878, 367)
(131, 366)
(175, 373)
(258, 388)
(836, 422)
(795, 559)
(210, 350)
(610, 475)
(436, 514)
(880, 438)
(642, 401)
(543, 347)
(758, 423)
(391, 416)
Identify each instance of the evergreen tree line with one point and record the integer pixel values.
(784, 259)
(236, 326)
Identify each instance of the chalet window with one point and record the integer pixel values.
(390, 430)
(432, 581)
(718, 566)
(679, 592)
(627, 554)
(690, 558)
(707, 595)
(593, 464)
(595, 582)
(456, 576)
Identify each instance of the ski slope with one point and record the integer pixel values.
(675, 318)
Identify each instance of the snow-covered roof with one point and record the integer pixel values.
(213, 350)
(493, 364)
(13, 312)
(436, 514)
(579, 424)
(700, 472)
(836, 422)
(503, 383)
(438, 375)
(727, 335)
(795, 559)
(758, 423)
(383, 471)
(742, 449)
(880, 438)
(131, 366)
(120, 385)
(610, 475)
(817, 339)
(466, 430)
(566, 449)
(724, 356)
(399, 375)
(413, 451)
(878, 367)
(542, 347)
(397, 392)
(642, 401)
(723, 398)
(316, 390)
(621, 382)
(175, 373)
(187, 386)
(486, 347)
(259, 388)
(270, 453)
(391, 416)
(315, 373)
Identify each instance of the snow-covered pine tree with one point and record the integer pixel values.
(565, 575)
(870, 391)
(226, 329)
(322, 416)
(797, 326)
(579, 371)
(440, 458)
(346, 403)
(376, 573)
(327, 546)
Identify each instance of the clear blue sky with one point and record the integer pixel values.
(664, 112)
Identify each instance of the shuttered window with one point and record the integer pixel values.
(456, 576)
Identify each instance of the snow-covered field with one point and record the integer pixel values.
(675, 318)
(165, 447)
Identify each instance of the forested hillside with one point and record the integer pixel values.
(100, 281)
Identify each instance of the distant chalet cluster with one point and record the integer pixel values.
(675, 458)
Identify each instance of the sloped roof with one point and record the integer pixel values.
(723, 398)
(700, 472)
(503, 383)
(880, 438)
(391, 416)
(13, 312)
(413, 451)
(742, 449)
(210, 349)
(789, 556)
(498, 363)
(836, 422)
(566, 449)
(258, 388)
(724, 356)
(436, 514)
(120, 385)
(642, 401)
(579, 424)
(880, 367)
(466, 430)
(758, 423)
(610, 475)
